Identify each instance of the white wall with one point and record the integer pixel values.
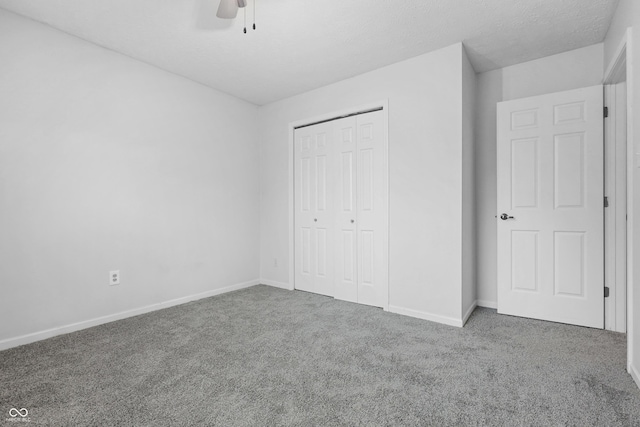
(628, 15)
(468, 189)
(565, 71)
(425, 152)
(107, 163)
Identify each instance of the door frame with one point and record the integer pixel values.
(622, 61)
(616, 190)
(384, 104)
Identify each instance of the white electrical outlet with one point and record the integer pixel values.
(114, 277)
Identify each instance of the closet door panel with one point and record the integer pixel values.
(372, 210)
(304, 197)
(313, 220)
(345, 209)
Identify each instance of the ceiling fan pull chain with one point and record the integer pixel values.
(254, 14)
(245, 20)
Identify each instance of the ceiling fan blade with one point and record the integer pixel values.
(228, 9)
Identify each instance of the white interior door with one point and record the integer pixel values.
(346, 247)
(314, 209)
(361, 188)
(372, 208)
(550, 194)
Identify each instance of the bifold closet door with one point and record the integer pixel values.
(341, 209)
(313, 219)
(361, 189)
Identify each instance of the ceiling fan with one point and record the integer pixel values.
(228, 9)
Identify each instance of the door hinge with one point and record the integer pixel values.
(606, 112)
(606, 202)
(606, 292)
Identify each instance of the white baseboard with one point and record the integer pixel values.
(635, 374)
(48, 333)
(468, 313)
(275, 284)
(487, 304)
(426, 316)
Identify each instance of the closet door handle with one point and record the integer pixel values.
(352, 221)
(315, 219)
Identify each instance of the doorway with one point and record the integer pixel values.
(620, 147)
(615, 95)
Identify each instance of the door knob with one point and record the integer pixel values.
(352, 221)
(315, 219)
(505, 217)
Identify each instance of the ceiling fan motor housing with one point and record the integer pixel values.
(228, 9)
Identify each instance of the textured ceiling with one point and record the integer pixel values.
(304, 44)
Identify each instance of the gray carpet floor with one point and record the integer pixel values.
(264, 356)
